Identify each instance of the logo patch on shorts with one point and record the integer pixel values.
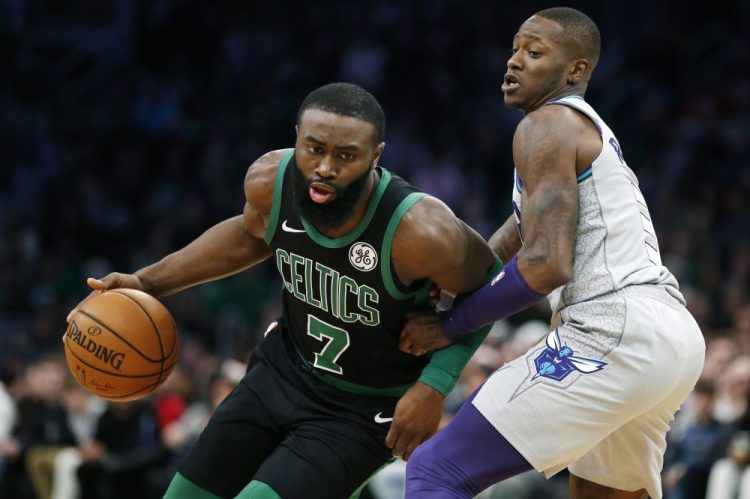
(557, 360)
(363, 256)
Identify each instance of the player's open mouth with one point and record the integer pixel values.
(320, 193)
(510, 83)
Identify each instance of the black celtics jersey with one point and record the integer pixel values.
(343, 304)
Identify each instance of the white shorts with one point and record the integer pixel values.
(598, 394)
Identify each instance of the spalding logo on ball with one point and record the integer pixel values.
(121, 344)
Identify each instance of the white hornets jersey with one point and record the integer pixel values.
(615, 242)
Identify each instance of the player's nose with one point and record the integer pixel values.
(514, 61)
(325, 168)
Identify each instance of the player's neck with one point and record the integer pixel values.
(561, 94)
(359, 209)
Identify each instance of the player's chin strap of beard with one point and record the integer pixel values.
(505, 295)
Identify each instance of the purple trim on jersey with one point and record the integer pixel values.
(462, 459)
(507, 294)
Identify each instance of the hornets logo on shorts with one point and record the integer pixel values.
(557, 360)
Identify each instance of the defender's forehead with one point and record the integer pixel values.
(541, 29)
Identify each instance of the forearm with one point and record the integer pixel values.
(507, 294)
(223, 250)
(446, 364)
(506, 242)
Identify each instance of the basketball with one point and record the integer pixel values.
(121, 344)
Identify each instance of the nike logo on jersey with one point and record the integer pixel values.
(286, 228)
(380, 419)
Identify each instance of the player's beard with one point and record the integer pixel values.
(336, 212)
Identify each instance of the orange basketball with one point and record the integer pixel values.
(121, 344)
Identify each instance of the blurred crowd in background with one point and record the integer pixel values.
(127, 128)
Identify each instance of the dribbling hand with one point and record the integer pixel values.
(113, 280)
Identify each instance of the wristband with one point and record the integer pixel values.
(505, 295)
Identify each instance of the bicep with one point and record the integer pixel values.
(467, 264)
(431, 243)
(545, 156)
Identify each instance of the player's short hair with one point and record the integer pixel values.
(579, 29)
(347, 99)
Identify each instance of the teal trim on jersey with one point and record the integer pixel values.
(182, 488)
(585, 174)
(349, 237)
(446, 364)
(347, 386)
(356, 493)
(257, 490)
(385, 251)
(273, 219)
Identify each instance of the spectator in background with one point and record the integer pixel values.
(42, 423)
(690, 457)
(733, 388)
(729, 477)
(126, 452)
(84, 410)
(7, 420)
(180, 435)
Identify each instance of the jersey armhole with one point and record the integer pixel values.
(389, 279)
(273, 218)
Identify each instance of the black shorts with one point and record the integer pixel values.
(285, 427)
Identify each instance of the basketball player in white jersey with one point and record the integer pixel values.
(597, 394)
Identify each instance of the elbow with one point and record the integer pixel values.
(544, 274)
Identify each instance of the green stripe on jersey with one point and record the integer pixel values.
(385, 252)
(182, 488)
(273, 219)
(257, 490)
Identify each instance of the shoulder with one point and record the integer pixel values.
(547, 135)
(554, 123)
(260, 179)
(427, 238)
(428, 220)
(555, 118)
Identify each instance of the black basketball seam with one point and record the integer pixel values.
(156, 373)
(156, 329)
(152, 386)
(87, 314)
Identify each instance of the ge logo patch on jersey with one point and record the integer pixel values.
(557, 360)
(363, 256)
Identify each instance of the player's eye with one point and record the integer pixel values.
(513, 50)
(315, 149)
(534, 53)
(346, 156)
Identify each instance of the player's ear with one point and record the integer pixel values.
(378, 152)
(577, 70)
(296, 129)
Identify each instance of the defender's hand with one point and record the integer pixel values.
(113, 280)
(416, 419)
(422, 333)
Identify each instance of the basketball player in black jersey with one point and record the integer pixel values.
(328, 398)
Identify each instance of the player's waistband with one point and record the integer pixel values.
(667, 294)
